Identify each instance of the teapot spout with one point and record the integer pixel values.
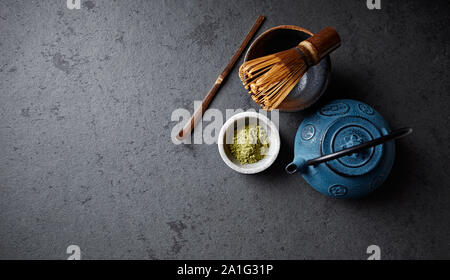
(296, 165)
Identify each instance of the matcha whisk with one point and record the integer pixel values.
(271, 78)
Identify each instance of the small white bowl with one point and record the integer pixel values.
(237, 121)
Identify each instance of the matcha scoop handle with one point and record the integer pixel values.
(187, 129)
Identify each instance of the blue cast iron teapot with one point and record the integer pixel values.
(345, 150)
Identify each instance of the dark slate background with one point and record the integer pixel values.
(86, 157)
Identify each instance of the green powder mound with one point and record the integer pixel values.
(250, 144)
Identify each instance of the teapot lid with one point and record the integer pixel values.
(350, 131)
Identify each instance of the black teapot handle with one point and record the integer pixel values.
(398, 133)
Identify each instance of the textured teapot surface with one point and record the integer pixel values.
(339, 125)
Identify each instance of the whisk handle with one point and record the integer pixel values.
(320, 45)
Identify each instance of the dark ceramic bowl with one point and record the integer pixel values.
(312, 84)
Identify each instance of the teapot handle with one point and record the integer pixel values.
(292, 167)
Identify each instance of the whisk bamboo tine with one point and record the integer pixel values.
(271, 78)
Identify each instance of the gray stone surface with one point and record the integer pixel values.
(86, 156)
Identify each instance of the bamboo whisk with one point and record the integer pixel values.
(271, 78)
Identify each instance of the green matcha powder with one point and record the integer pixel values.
(250, 144)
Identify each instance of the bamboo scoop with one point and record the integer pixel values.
(271, 78)
(187, 129)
